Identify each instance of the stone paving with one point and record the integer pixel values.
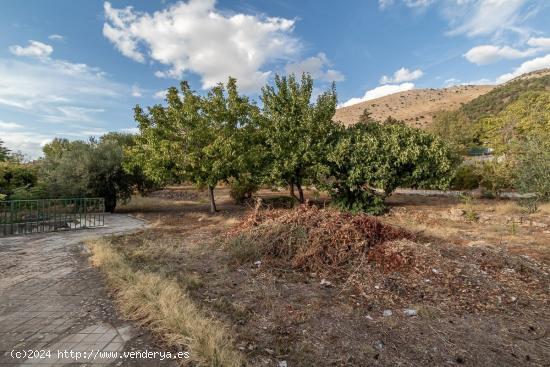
(51, 299)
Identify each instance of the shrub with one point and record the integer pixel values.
(242, 189)
(533, 169)
(497, 177)
(17, 180)
(466, 177)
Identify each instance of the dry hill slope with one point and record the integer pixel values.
(416, 107)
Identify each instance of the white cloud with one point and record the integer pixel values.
(480, 17)
(10, 125)
(317, 67)
(56, 37)
(541, 42)
(527, 67)
(136, 91)
(483, 17)
(195, 37)
(34, 49)
(482, 81)
(402, 75)
(29, 143)
(487, 54)
(161, 94)
(451, 82)
(378, 92)
(71, 114)
(383, 4)
(51, 87)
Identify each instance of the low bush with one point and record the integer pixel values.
(466, 177)
(243, 188)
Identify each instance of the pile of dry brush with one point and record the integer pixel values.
(312, 239)
(384, 264)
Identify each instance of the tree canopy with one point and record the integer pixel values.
(200, 139)
(4, 152)
(91, 168)
(371, 160)
(298, 133)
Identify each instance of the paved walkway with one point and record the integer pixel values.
(51, 299)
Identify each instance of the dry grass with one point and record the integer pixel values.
(416, 107)
(159, 304)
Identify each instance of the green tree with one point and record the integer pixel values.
(17, 180)
(4, 152)
(200, 139)
(533, 169)
(526, 119)
(297, 132)
(457, 129)
(92, 168)
(370, 160)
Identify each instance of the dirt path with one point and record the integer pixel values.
(51, 299)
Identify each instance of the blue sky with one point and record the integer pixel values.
(75, 69)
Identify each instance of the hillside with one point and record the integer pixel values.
(497, 99)
(416, 107)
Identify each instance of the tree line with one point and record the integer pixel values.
(288, 141)
(224, 137)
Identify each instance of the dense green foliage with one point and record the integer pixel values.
(457, 129)
(4, 152)
(93, 168)
(466, 177)
(526, 119)
(222, 137)
(533, 169)
(495, 101)
(298, 133)
(17, 180)
(370, 160)
(205, 140)
(514, 121)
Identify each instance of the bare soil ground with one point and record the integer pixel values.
(476, 275)
(416, 107)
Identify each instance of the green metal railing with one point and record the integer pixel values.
(48, 215)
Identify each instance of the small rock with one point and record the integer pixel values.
(514, 299)
(435, 271)
(410, 312)
(456, 214)
(387, 313)
(326, 283)
(258, 263)
(379, 344)
(282, 364)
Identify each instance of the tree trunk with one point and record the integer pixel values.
(110, 199)
(213, 208)
(291, 188)
(301, 193)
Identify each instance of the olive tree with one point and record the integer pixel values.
(91, 168)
